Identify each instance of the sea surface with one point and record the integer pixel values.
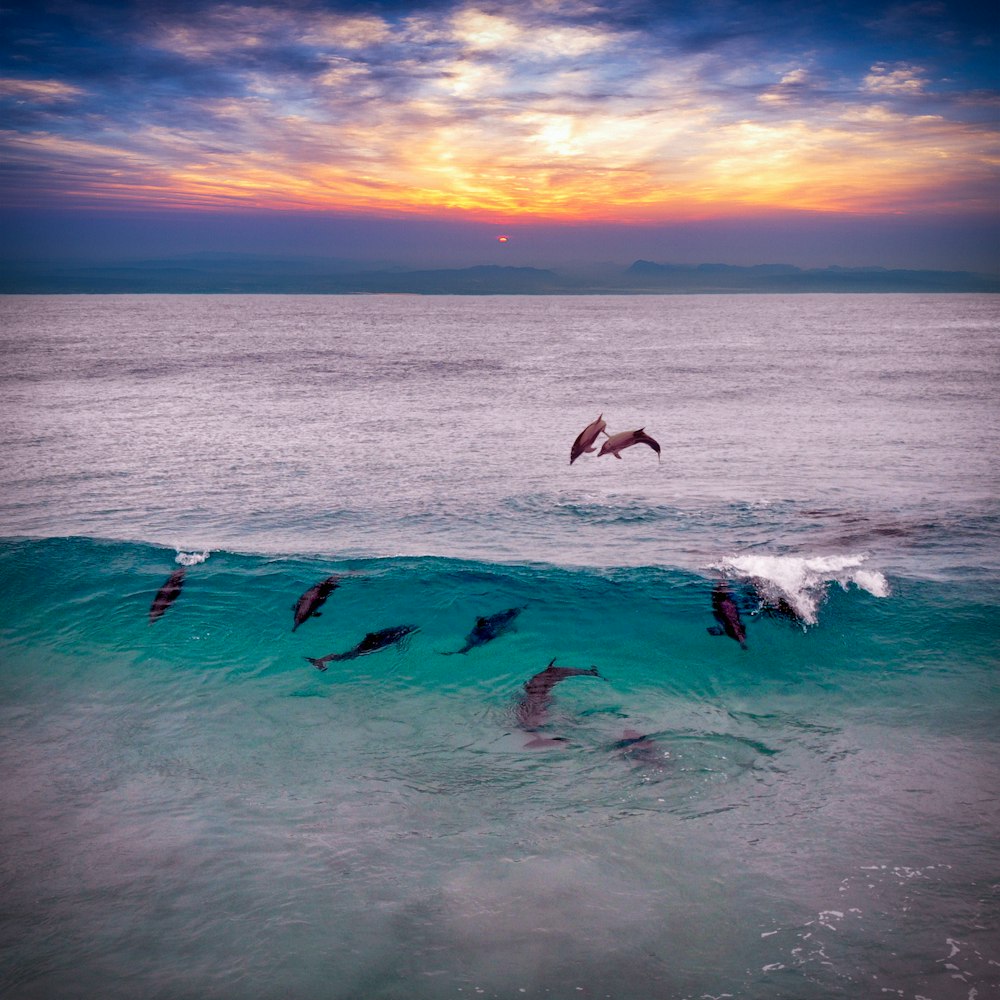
(189, 808)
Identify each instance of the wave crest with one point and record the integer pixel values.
(191, 558)
(802, 581)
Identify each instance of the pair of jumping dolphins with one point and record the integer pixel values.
(586, 440)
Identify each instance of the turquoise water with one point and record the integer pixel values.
(189, 808)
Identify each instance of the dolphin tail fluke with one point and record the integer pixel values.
(318, 664)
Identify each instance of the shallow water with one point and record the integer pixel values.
(191, 809)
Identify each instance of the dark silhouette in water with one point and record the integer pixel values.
(313, 599)
(533, 706)
(371, 643)
(487, 629)
(640, 750)
(585, 439)
(617, 443)
(727, 614)
(166, 595)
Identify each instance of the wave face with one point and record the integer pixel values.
(697, 818)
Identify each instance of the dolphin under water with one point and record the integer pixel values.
(617, 443)
(166, 595)
(488, 628)
(727, 614)
(532, 707)
(641, 750)
(313, 599)
(585, 439)
(371, 643)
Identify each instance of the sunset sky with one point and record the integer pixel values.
(724, 130)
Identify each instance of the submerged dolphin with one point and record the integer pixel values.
(489, 628)
(371, 643)
(617, 443)
(533, 706)
(640, 750)
(314, 598)
(727, 614)
(586, 438)
(166, 595)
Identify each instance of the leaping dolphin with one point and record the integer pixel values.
(488, 628)
(313, 599)
(166, 595)
(617, 443)
(727, 614)
(371, 643)
(533, 706)
(585, 439)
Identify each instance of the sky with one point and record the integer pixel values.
(834, 133)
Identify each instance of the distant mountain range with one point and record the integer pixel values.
(243, 273)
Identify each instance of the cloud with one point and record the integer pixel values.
(547, 108)
(39, 91)
(902, 80)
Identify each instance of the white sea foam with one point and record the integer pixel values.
(802, 581)
(191, 558)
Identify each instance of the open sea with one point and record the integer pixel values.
(189, 808)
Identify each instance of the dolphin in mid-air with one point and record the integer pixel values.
(727, 614)
(617, 443)
(533, 706)
(488, 628)
(313, 599)
(166, 595)
(585, 439)
(371, 643)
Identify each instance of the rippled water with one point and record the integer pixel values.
(189, 808)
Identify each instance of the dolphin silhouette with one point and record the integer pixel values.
(166, 595)
(640, 749)
(533, 706)
(585, 439)
(371, 643)
(313, 599)
(617, 443)
(727, 614)
(488, 628)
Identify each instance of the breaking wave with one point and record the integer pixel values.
(801, 582)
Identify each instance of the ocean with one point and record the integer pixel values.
(189, 808)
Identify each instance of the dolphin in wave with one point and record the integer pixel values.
(313, 599)
(532, 708)
(727, 614)
(488, 628)
(371, 643)
(166, 595)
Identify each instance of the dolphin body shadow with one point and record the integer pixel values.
(727, 614)
(371, 643)
(487, 629)
(532, 708)
(166, 595)
(313, 599)
(641, 751)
